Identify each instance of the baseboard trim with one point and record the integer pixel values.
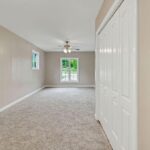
(69, 86)
(20, 99)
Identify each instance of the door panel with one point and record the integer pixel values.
(116, 77)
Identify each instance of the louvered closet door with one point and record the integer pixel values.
(115, 82)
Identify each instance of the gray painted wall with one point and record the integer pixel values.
(16, 75)
(86, 68)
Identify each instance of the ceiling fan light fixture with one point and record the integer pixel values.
(69, 50)
(65, 50)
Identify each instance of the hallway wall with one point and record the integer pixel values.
(86, 68)
(103, 11)
(144, 74)
(16, 75)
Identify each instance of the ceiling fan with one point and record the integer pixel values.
(68, 48)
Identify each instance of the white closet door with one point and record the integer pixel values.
(115, 82)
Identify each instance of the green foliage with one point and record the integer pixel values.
(69, 70)
(34, 62)
(65, 63)
(72, 63)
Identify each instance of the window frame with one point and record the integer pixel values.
(69, 81)
(38, 54)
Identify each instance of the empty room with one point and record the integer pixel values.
(74, 75)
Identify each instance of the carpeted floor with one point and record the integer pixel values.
(53, 119)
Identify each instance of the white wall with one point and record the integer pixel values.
(86, 68)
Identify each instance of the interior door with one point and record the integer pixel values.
(116, 77)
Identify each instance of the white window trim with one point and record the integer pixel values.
(36, 52)
(69, 75)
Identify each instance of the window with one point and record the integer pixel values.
(69, 69)
(35, 60)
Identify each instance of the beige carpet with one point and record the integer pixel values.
(53, 119)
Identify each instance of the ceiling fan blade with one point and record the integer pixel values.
(77, 49)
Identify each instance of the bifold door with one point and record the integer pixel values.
(116, 77)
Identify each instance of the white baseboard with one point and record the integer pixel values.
(69, 86)
(20, 99)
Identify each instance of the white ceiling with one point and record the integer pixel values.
(48, 23)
